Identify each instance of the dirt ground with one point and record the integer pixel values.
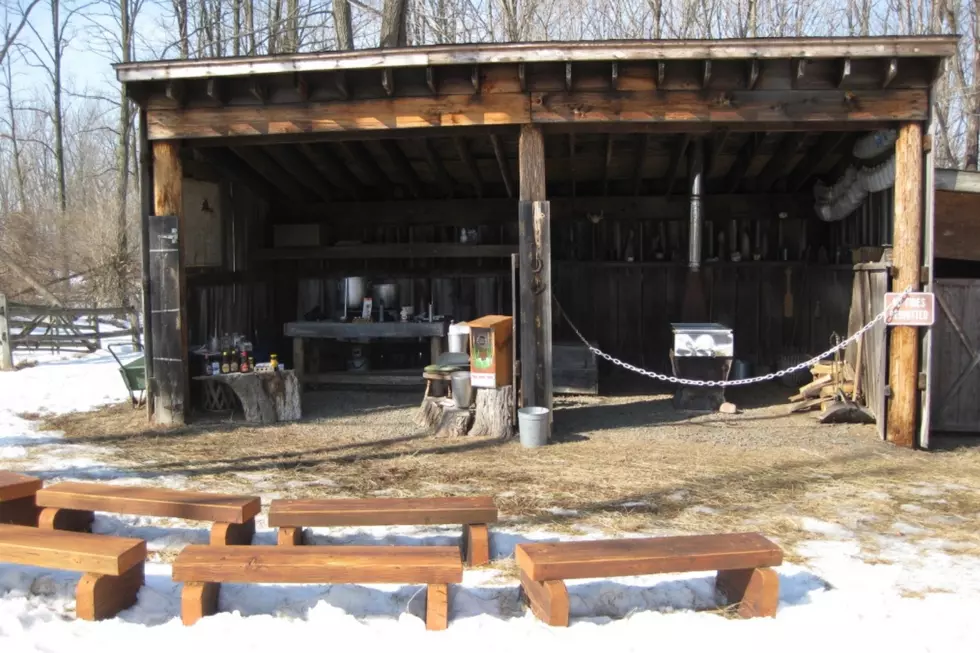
(618, 464)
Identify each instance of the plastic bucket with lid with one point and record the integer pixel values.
(534, 424)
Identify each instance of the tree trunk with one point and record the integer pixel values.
(342, 24)
(441, 417)
(250, 26)
(265, 397)
(122, 161)
(393, 33)
(59, 138)
(973, 121)
(292, 25)
(180, 9)
(494, 412)
(236, 26)
(14, 143)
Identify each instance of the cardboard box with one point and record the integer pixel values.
(491, 351)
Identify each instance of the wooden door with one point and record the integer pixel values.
(955, 401)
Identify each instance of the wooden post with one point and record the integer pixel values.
(903, 367)
(168, 287)
(535, 252)
(146, 208)
(928, 253)
(6, 349)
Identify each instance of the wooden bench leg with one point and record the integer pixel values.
(98, 596)
(198, 600)
(437, 607)
(476, 544)
(230, 534)
(22, 512)
(755, 590)
(548, 599)
(290, 536)
(63, 519)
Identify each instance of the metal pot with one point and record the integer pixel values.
(355, 290)
(387, 294)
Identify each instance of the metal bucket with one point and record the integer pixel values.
(387, 294)
(355, 290)
(462, 389)
(740, 369)
(534, 424)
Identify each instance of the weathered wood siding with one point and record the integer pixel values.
(956, 375)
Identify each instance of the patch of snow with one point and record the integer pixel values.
(562, 512)
(907, 529)
(634, 504)
(911, 507)
(678, 496)
(824, 528)
(926, 491)
(877, 495)
(704, 510)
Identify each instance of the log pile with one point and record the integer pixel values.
(830, 378)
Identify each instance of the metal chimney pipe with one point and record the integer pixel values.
(695, 175)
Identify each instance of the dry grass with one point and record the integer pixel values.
(623, 465)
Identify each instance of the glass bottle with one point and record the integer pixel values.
(225, 363)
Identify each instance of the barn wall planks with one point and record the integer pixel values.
(627, 308)
(956, 383)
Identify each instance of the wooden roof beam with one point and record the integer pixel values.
(216, 91)
(778, 165)
(302, 86)
(436, 166)
(270, 170)
(300, 170)
(753, 74)
(331, 167)
(258, 90)
(404, 167)
(238, 171)
(340, 83)
(742, 162)
(717, 146)
(466, 156)
(431, 81)
(845, 73)
(676, 158)
(640, 159)
(816, 158)
(388, 81)
(891, 70)
(503, 164)
(376, 177)
(176, 91)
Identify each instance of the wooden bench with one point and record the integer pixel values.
(474, 513)
(70, 506)
(203, 568)
(742, 561)
(112, 566)
(17, 498)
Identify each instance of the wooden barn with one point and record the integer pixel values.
(638, 184)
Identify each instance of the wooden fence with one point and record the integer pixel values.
(867, 300)
(60, 328)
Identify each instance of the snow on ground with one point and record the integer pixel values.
(919, 597)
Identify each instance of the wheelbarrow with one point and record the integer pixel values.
(133, 375)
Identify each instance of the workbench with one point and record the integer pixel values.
(301, 331)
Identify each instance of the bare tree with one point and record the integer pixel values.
(342, 25)
(393, 33)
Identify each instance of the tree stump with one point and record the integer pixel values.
(266, 397)
(493, 412)
(443, 418)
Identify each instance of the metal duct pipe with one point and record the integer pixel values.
(695, 175)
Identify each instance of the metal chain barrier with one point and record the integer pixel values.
(889, 312)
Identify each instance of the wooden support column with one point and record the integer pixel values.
(903, 359)
(168, 293)
(146, 209)
(535, 252)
